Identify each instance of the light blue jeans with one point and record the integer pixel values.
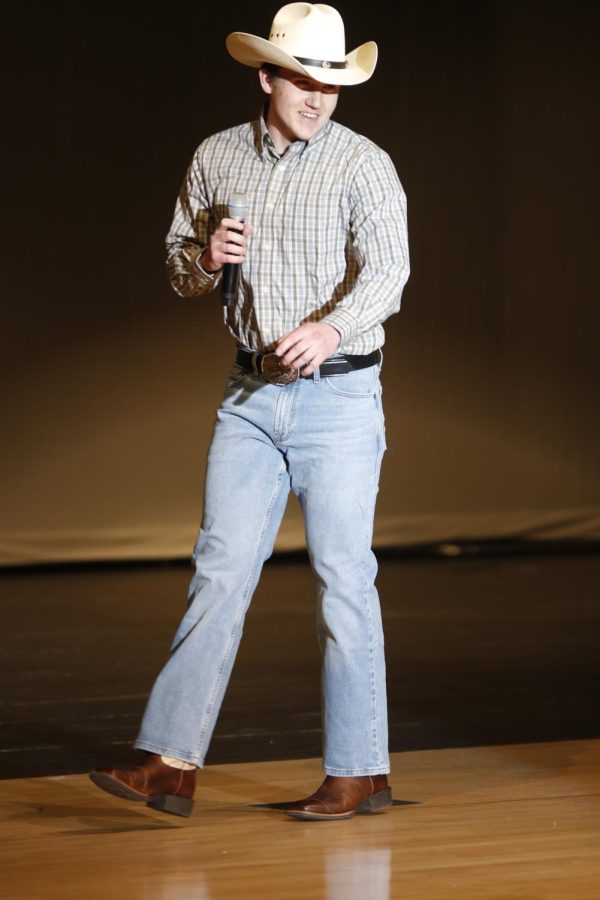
(324, 439)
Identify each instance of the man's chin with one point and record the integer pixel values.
(309, 128)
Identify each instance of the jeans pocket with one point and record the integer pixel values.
(360, 384)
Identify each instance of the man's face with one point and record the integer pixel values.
(298, 105)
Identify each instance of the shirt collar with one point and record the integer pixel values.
(266, 148)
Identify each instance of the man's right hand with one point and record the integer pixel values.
(226, 245)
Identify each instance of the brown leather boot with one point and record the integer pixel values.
(340, 798)
(159, 785)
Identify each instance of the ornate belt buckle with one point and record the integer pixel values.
(273, 370)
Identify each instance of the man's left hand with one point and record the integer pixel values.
(307, 346)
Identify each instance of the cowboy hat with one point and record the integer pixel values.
(307, 38)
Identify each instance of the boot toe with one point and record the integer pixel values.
(108, 780)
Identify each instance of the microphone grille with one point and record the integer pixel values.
(238, 202)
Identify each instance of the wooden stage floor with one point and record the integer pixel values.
(493, 665)
(509, 821)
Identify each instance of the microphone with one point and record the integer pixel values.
(238, 209)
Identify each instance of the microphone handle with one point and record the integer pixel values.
(231, 278)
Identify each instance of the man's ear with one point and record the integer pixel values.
(265, 80)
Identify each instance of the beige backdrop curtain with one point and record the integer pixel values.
(110, 382)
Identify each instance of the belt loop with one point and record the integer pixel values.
(254, 363)
(316, 375)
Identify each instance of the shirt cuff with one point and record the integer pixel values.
(344, 322)
(205, 279)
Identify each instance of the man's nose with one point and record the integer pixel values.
(314, 99)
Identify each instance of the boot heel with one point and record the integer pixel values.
(171, 803)
(375, 802)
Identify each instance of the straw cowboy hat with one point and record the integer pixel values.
(307, 38)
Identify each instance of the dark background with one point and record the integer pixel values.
(489, 111)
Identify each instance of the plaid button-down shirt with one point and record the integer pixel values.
(330, 238)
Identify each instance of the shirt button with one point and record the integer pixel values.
(267, 246)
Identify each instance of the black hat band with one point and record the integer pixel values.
(321, 63)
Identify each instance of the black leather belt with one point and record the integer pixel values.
(271, 368)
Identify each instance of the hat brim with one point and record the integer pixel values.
(251, 50)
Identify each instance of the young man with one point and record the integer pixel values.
(323, 261)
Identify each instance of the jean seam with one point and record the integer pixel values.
(382, 769)
(238, 616)
(377, 463)
(371, 655)
(174, 752)
(284, 420)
